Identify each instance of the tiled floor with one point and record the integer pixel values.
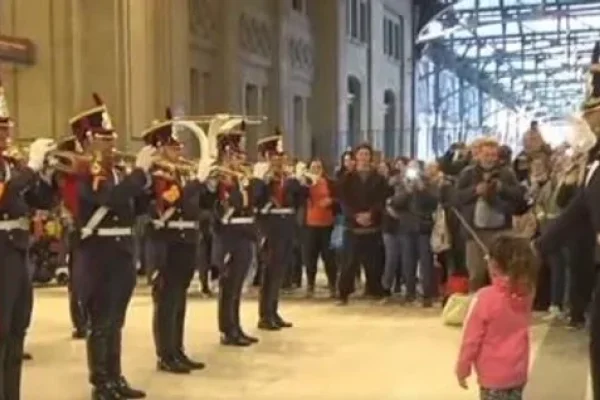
(366, 351)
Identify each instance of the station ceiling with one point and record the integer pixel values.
(536, 52)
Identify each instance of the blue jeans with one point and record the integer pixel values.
(392, 244)
(416, 251)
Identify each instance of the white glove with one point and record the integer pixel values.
(38, 152)
(260, 170)
(204, 170)
(145, 158)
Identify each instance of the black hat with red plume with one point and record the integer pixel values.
(232, 141)
(162, 133)
(94, 122)
(271, 145)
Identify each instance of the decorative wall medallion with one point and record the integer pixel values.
(300, 54)
(255, 36)
(203, 16)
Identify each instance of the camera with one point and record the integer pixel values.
(412, 174)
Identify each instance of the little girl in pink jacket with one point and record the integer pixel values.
(495, 340)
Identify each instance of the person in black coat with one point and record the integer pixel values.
(363, 193)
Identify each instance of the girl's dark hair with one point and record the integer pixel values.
(365, 146)
(516, 259)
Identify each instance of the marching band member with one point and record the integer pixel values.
(104, 272)
(579, 223)
(175, 211)
(78, 143)
(235, 235)
(281, 198)
(21, 190)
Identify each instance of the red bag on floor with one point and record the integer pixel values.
(457, 285)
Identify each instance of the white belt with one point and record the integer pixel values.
(14, 224)
(238, 221)
(176, 224)
(109, 232)
(281, 211)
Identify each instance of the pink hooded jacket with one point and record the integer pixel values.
(496, 337)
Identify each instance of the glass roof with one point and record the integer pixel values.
(542, 46)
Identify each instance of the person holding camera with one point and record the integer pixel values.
(487, 195)
(414, 201)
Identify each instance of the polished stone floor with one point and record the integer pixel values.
(366, 351)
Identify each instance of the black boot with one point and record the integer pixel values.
(115, 372)
(179, 353)
(234, 339)
(98, 357)
(247, 337)
(173, 366)
(268, 325)
(281, 322)
(186, 361)
(13, 363)
(77, 318)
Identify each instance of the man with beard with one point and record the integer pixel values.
(487, 195)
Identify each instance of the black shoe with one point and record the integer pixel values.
(106, 392)
(249, 338)
(268, 325)
(126, 391)
(282, 323)
(342, 302)
(191, 364)
(235, 340)
(172, 366)
(78, 334)
(576, 325)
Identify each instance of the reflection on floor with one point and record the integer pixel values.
(366, 351)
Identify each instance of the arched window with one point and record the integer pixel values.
(390, 135)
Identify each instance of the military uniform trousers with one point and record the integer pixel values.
(595, 339)
(278, 253)
(176, 266)
(76, 311)
(232, 253)
(16, 299)
(106, 274)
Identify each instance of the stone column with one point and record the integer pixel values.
(104, 58)
(328, 105)
(228, 83)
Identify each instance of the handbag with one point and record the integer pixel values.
(456, 309)
(337, 235)
(440, 235)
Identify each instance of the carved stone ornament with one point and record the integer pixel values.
(300, 54)
(203, 15)
(255, 36)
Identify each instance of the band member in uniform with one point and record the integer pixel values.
(580, 221)
(235, 235)
(175, 212)
(282, 195)
(105, 273)
(21, 190)
(77, 144)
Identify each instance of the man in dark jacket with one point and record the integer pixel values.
(362, 195)
(487, 195)
(415, 201)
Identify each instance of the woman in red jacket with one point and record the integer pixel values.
(320, 218)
